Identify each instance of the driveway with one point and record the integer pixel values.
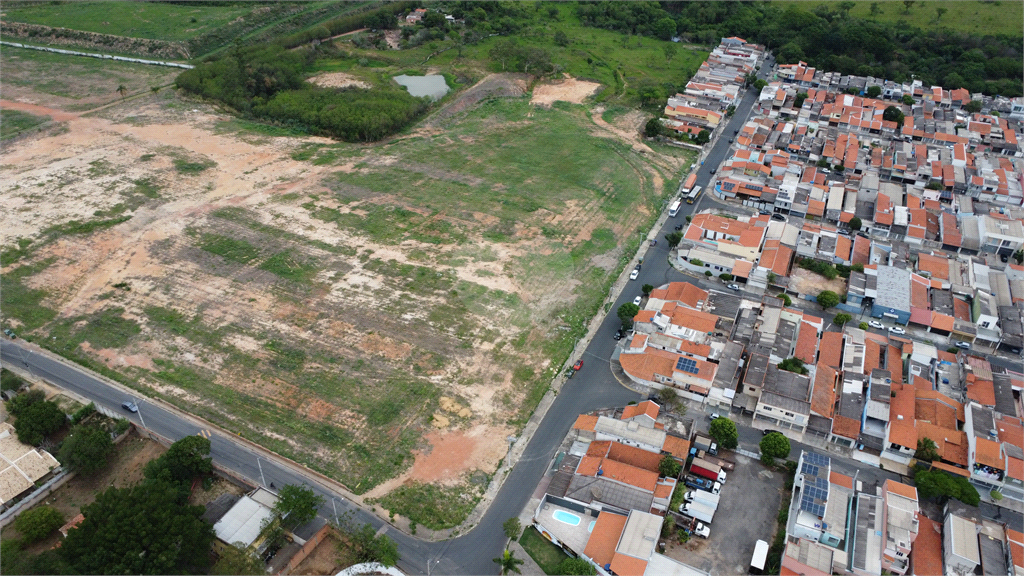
(747, 513)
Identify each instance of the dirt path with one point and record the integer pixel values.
(633, 139)
(58, 115)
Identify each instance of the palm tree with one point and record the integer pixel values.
(122, 90)
(508, 563)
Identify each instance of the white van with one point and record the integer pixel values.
(674, 208)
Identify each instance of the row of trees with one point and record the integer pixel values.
(830, 39)
(267, 82)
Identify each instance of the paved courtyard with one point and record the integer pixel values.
(747, 513)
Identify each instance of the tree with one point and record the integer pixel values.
(670, 51)
(665, 28)
(646, 289)
(648, 91)
(674, 238)
(512, 528)
(654, 127)
(893, 114)
(856, 224)
(504, 51)
(86, 449)
(576, 567)
(863, 326)
(828, 299)
(726, 276)
(772, 277)
(1019, 256)
(669, 467)
(148, 528)
(39, 420)
(298, 504)
(369, 547)
(842, 318)
(874, 91)
(703, 137)
(926, 450)
(774, 445)
(942, 486)
(875, 9)
(10, 381)
(730, 110)
(238, 559)
(786, 299)
(561, 38)
(38, 523)
(759, 84)
(908, 99)
(907, 4)
(508, 563)
(724, 432)
(799, 101)
(434, 19)
(20, 402)
(794, 365)
(626, 314)
(940, 12)
(122, 90)
(183, 461)
(973, 106)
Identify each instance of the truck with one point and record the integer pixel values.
(708, 470)
(724, 464)
(703, 497)
(759, 557)
(698, 482)
(698, 511)
(687, 185)
(706, 444)
(690, 525)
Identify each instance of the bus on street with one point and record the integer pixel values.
(692, 196)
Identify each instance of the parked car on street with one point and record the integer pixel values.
(714, 416)
(778, 217)
(10, 334)
(578, 365)
(897, 330)
(734, 286)
(634, 274)
(130, 406)
(963, 345)
(876, 324)
(638, 300)
(618, 334)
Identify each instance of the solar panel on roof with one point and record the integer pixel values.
(687, 365)
(816, 459)
(809, 469)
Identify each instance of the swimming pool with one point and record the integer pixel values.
(566, 517)
(591, 527)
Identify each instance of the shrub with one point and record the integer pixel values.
(863, 326)
(38, 523)
(725, 276)
(724, 432)
(793, 365)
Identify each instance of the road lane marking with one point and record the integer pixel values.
(205, 434)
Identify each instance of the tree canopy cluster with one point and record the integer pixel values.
(267, 83)
(829, 38)
(725, 433)
(943, 486)
(35, 418)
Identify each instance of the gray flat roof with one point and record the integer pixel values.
(893, 288)
(789, 384)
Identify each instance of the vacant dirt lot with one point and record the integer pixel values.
(380, 312)
(567, 90)
(807, 282)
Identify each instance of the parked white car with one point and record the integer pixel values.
(876, 324)
(634, 274)
(638, 300)
(897, 330)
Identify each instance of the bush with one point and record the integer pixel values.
(863, 326)
(669, 467)
(86, 449)
(828, 299)
(38, 523)
(794, 364)
(573, 566)
(726, 277)
(83, 413)
(786, 299)
(708, 274)
(9, 380)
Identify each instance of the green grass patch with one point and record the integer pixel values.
(286, 357)
(14, 122)
(435, 507)
(153, 20)
(968, 17)
(179, 324)
(232, 249)
(83, 227)
(192, 167)
(290, 266)
(544, 552)
(22, 302)
(107, 328)
(147, 187)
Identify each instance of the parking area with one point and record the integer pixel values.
(747, 513)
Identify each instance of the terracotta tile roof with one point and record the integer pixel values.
(961, 309)
(1015, 468)
(926, 553)
(1017, 553)
(634, 456)
(646, 407)
(1011, 431)
(840, 479)
(618, 471)
(843, 247)
(776, 257)
(937, 266)
(942, 322)
(902, 430)
(645, 366)
(694, 319)
(585, 422)
(1014, 536)
(872, 355)
(901, 489)
(950, 443)
(684, 292)
(830, 351)
(982, 391)
(807, 343)
(933, 407)
(644, 316)
(742, 268)
(676, 446)
(624, 565)
(846, 427)
(988, 453)
(861, 250)
(599, 448)
(921, 383)
(605, 537)
(788, 572)
(823, 397)
(664, 489)
(951, 469)
(945, 356)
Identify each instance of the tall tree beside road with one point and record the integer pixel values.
(703, 137)
(674, 238)
(724, 432)
(508, 563)
(512, 527)
(37, 421)
(297, 505)
(774, 445)
(828, 299)
(626, 313)
(86, 450)
(148, 528)
(183, 461)
(855, 224)
(942, 486)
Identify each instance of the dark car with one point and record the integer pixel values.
(778, 217)
(730, 140)
(10, 334)
(618, 334)
(578, 365)
(767, 431)
(712, 170)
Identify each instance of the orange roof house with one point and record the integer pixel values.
(618, 471)
(646, 407)
(823, 397)
(605, 537)
(585, 422)
(927, 550)
(807, 343)
(682, 292)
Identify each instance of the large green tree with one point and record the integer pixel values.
(627, 312)
(38, 420)
(148, 528)
(183, 461)
(669, 467)
(238, 560)
(297, 504)
(774, 445)
(369, 547)
(724, 432)
(86, 450)
(38, 523)
(828, 299)
(926, 450)
(940, 485)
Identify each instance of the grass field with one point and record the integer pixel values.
(75, 83)
(153, 20)
(972, 17)
(13, 122)
(544, 553)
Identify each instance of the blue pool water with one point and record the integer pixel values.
(590, 528)
(563, 516)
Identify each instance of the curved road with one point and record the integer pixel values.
(594, 387)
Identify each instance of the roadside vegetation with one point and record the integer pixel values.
(14, 122)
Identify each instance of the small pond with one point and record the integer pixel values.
(432, 86)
